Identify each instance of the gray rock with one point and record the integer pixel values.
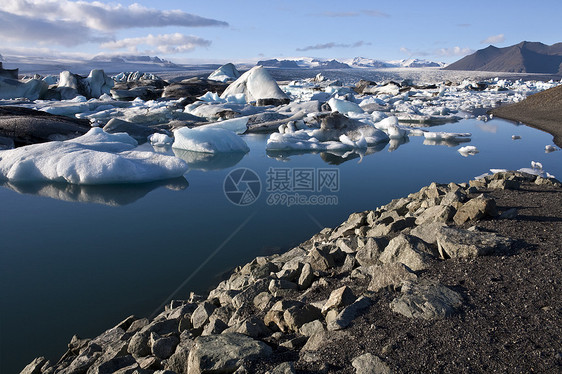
(84, 360)
(215, 326)
(311, 328)
(438, 213)
(163, 347)
(370, 364)
(409, 250)
(263, 300)
(427, 232)
(354, 221)
(454, 243)
(339, 298)
(297, 316)
(247, 295)
(349, 313)
(369, 253)
(503, 184)
(113, 365)
(476, 209)
(36, 366)
(306, 277)
(224, 353)
(202, 313)
(178, 362)
(390, 276)
(284, 368)
(252, 327)
(320, 260)
(278, 286)
(427, 300)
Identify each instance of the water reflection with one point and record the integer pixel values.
(111, 195)
(447, 142)
(209, 161)
(330, 157)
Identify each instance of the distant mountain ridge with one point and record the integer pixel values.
(132, 58)
(357, 62)
(525, 57)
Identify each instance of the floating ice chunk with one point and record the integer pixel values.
(468, 150)
(208, 140)
(94, 158)
(536, 165)
(515, 137)
(225, 73)
(236, 99)
(160, 140)
(395, 132)
(386, 123)
(256, 84)
(344, 106)
(237, 125)
(549, 148)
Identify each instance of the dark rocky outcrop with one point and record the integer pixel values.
(27, 126)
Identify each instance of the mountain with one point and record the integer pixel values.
(417, 63)
(275, 63)
(525, 57)
(331, 64)
(132, 58)
(362, 62)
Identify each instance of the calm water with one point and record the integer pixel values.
(79, 260)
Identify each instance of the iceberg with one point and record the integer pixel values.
(344, 106)
(208, 140)
(94, 158)
(236, 125)
(258, 86)
(468, 150)
(225, 73)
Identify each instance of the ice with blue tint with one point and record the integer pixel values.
(208, 140)
(94, 158)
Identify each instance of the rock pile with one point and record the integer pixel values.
(276, 313)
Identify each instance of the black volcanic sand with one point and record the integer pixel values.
(542, 111)
(511, 321)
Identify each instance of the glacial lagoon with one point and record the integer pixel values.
(79, 259)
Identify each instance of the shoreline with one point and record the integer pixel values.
(362, 283)
(542, 111)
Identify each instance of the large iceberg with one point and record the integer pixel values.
(94, 158)
(208, 140)
(225, 73)
(257, 85)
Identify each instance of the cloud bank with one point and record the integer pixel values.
(71, 23)
(331, 45)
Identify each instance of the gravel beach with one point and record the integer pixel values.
(542, 111)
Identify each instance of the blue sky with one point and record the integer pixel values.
(244, 30)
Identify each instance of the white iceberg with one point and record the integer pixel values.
(236, 125)
(344, 106)
(94, 158)
(225, 73)
(160, 140)
(256, 84)
(208, 140)
(469, 150)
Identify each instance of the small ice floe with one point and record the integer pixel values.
(208, 140)
(344, 106)
(94, 158)
(160, 140)
(515, 137)
(536, 165)
(430, 135)
(549, 148)
(468, 150)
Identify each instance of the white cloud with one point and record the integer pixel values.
(494, 39)
(43, 32)
(165, 43)
(454, 51)
(106, 17)
(331, 45)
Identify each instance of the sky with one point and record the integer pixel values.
(185, 31)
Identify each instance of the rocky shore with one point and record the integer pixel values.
(453, 278)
